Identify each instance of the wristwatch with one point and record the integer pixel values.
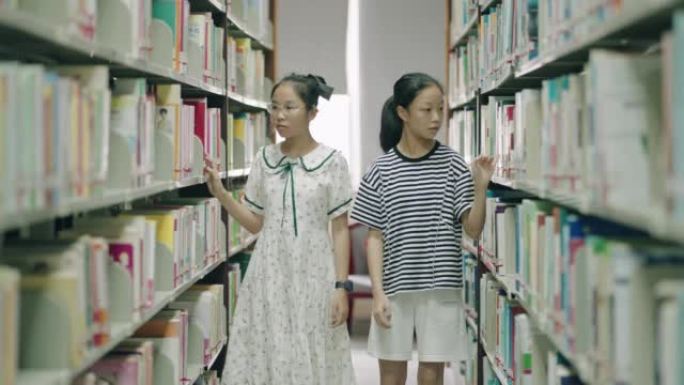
(346, 285)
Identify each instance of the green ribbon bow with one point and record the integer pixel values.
(286, 168)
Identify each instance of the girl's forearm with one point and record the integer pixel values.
(247, 219)
(341, 239)
(474, 220)
(374, 255)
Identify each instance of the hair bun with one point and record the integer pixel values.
(324, 90)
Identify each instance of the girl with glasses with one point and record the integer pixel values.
(292, 305)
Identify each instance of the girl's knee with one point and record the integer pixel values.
(430, 372)
(393, 372)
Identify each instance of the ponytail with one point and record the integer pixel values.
(391, 126)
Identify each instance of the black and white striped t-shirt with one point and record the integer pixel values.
(417, 204)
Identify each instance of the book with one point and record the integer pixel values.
(168, 331)
(132, 124)
(9, 323)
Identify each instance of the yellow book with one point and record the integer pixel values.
(239, 141)
(9, 324)
(60, 291)
(165, 228)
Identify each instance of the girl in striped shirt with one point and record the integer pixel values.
(416, 199)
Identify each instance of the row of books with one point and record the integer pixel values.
(76, 17)
(106, 271)
(246, 69)
(65, 136)
(181, 121)
(496, 38)
(173, 347)
(603, 135)
(256, 16)
(196, 43)
(210, 40)
(507, 34)
(54, 133)
(464, 73)
(514, 33)
(516, 354)
(247, 132)
(561, 22)
(592, 286)
(463, 133)
(462, 13)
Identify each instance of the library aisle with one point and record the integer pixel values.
(117, 266)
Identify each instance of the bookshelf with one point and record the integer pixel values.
(119, 333)
(177, 69)
(507, 285)
(469, 29)
(541, 70)
(238, 28)
(247, 103)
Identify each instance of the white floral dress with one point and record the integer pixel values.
(281, 333)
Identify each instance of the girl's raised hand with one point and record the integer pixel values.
(213, 179)
(483, 169)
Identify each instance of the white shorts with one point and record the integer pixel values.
(436, 316)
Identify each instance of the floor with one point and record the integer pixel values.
(366, 367)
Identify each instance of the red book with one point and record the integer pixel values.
(201, 121)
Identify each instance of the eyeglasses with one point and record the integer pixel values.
(289, 109)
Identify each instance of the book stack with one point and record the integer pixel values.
(175, 15)
(462, 13)
(246, 69)
(496, 38)
(206, 309)
(54, 124)
(462, 133)
(209, 40)
(526, 31)
(207, 128)
(247, 133)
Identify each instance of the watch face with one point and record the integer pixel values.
(346, 285)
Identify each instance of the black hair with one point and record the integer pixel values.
(405, 91)
(308, 88)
